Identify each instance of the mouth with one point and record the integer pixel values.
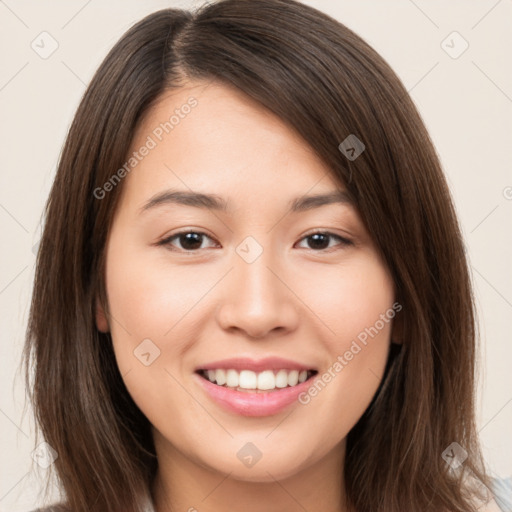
(248, 387)
(248, 381)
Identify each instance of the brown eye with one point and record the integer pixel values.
(320, 240)
(190, 241)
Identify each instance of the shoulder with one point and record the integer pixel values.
(498, 496)
(501, 489)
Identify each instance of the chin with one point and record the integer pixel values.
(273, 465)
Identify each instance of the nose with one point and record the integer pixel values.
(258, 299)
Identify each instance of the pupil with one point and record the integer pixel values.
(316, 237)
(192, 240)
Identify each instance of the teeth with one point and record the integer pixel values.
(232, 379)
(282, 379)
(247, 379)
(293, 378)
(266, 380)
(219, 376)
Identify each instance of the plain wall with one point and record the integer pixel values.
(466, 103)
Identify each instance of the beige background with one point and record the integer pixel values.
(466, 103)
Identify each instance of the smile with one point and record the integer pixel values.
(246, 387)
(251, 381)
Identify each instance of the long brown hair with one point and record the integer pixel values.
(327, 84)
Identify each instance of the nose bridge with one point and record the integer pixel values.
(255, 283)
(257, 300)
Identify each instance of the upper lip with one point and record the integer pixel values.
(244, 363)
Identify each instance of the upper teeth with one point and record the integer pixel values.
(248, 379)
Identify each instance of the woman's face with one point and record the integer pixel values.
(250, 289)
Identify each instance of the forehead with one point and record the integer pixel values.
(209, 137)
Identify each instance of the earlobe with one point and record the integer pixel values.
(101, 318)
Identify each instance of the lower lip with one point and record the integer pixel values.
(253, 404)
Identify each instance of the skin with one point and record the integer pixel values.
(294, 301)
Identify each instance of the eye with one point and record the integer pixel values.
(320, 240)
(189, 240)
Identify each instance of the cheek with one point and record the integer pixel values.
(341, 392)
(359, 315)
(146, 307)
(350, 298)
(141, 306)
(150, 298)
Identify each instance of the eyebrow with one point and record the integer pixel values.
(214, 202)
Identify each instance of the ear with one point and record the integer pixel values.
(101, 318)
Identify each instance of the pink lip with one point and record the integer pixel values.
(252, 403)
(243, 363)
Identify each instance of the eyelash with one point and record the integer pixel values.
(167, 241)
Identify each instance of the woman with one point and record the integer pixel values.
(318, 352)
